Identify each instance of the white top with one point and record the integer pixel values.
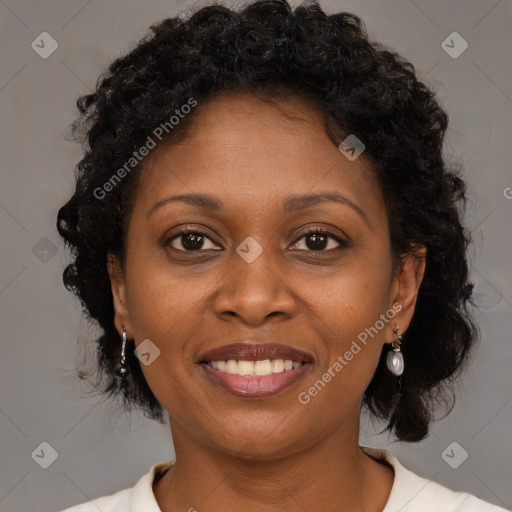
(410, 493)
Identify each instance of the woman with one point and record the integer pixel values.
(264, 220)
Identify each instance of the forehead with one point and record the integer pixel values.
(250, 152)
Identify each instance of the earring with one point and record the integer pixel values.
(122, 370)
(395, 359)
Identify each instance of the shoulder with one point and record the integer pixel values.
(413, 493)
(139, 498)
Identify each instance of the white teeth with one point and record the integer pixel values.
(231, 366)
(246, 368)
(277, 365)
(262, 367)
(255, 368)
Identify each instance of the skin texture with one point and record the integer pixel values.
(237, 453)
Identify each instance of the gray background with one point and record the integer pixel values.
(101, 451)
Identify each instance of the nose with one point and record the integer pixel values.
(253, 292)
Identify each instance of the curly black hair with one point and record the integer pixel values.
(362, 88)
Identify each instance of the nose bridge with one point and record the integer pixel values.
(254, 288)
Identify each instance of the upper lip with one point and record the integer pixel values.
(255, 352)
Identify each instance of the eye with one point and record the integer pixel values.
(190, 240)
(318, 240)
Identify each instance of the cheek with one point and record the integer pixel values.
(355, 320)
(161, 307)
(353, 296)
(162, 297)
(350, 325)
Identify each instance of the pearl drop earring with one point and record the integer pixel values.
(395, 358)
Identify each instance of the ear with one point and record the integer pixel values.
(117, 283)
(406, 284)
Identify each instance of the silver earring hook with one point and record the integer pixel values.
(123, 371)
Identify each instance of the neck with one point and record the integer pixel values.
(333, 474)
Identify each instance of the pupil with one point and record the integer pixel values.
(316, 238)
(196, 242)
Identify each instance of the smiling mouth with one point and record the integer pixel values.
(255, 370)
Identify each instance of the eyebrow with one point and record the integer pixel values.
(291, 203)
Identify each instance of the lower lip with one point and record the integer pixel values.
(253, 387)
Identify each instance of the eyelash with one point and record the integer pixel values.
(310, 231)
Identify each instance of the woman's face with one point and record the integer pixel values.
(255, 277)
